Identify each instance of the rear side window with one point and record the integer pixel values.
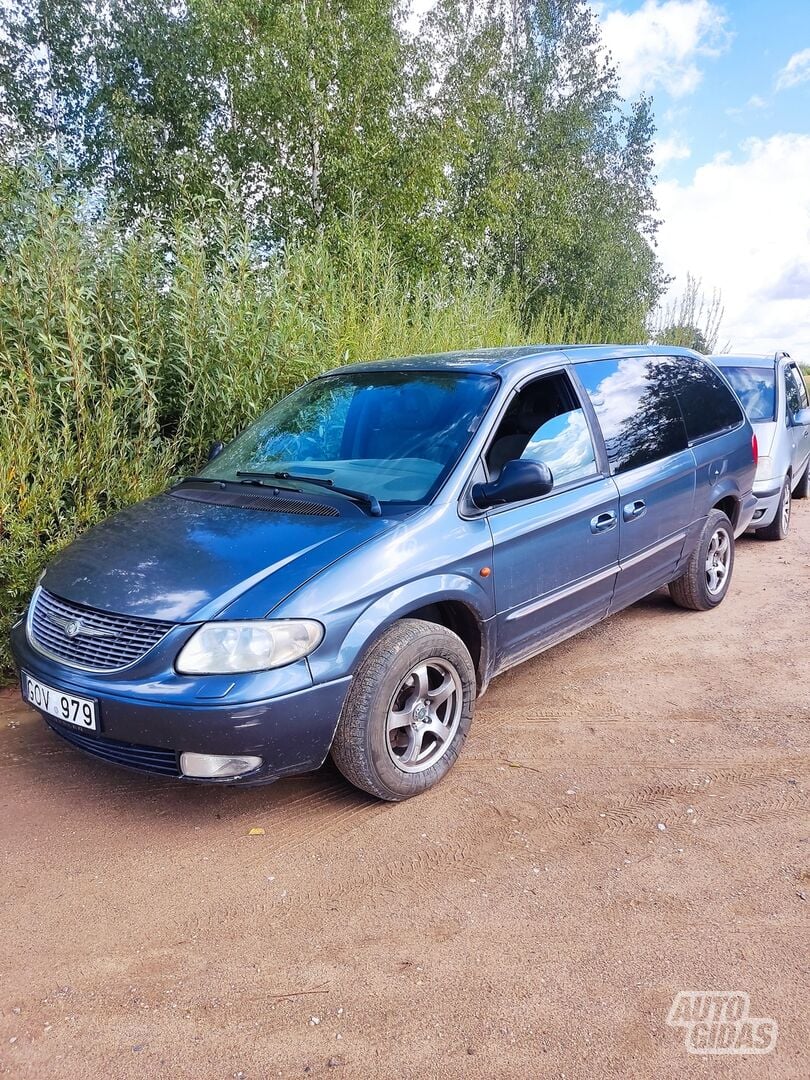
(638, 412)
(756, 389)
(707, 404)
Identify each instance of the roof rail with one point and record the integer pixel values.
(780, 354)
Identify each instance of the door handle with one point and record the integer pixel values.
(633, 510)
(603, 522)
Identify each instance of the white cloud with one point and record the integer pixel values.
(740, 112)
(674, 148)
(659, 45)
(795, 71)
(743, 227)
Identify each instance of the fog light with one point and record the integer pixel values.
(217, 766)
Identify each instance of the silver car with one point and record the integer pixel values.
(774, 394)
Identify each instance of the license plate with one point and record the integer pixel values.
(71, 709)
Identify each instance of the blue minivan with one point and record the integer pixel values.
(350, 572)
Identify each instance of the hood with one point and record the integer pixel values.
(179, 560)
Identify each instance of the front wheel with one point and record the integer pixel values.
(407, 714)
(780, 526)
(705, 581)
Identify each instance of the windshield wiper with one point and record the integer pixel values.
(222, 483)
(362, 497)
(197, 480)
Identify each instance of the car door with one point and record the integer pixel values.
(797, 401)
(651, 464)
(711, 415)
(555, 558)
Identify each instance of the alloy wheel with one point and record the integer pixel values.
(784, 509)
(718, 558)
(424, 715)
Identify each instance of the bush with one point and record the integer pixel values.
(124, 353)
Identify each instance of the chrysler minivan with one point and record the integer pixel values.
(349, 573)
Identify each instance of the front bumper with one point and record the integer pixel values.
(747, 511)
(291, 732)
(767, 494)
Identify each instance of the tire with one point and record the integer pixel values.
(403, 671)
(780, 526)
(802, 489)
(693, 589)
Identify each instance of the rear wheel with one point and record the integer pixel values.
(780, 526)
(408, 711)
(705, 581)
(802, 489)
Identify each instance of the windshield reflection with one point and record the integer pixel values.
(395, 435)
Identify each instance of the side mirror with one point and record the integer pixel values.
(801, 418)
(519, 480)
(215, 450)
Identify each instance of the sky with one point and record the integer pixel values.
(730, 84)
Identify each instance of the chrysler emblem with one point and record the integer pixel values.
(73, 628)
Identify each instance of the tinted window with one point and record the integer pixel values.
(801, 386)
(792, 392)
(637, 409)
(544, 422)
(707, 404)
(395, 434)
(756, 389)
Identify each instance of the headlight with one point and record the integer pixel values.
(219, 648)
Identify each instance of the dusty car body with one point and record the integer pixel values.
(351, 572)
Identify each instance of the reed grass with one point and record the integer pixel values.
(125, 352)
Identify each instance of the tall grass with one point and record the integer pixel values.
(124, 353)
(691, 320)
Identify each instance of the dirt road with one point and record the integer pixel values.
(630, 819)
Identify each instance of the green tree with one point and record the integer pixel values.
(46, 63)
(118, 95)
(493, 144)
(548, 178)
(315, 113)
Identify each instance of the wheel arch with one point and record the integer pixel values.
(730, 505)
(460, 606)
(457, 616)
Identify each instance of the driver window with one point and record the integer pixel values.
(545, 422)
(801, 388)
(792, 392)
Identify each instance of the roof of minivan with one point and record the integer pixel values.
(724, 360)
(492, 360)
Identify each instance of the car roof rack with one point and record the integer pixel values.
(780, 354)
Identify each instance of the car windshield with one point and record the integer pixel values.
(755, 387)
(394, 435)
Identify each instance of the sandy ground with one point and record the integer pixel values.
(529, 918)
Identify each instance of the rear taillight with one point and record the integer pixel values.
(754, 448)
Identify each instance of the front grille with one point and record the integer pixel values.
(87, 638)
(145, 758)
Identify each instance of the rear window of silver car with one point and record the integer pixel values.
(756, 389)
